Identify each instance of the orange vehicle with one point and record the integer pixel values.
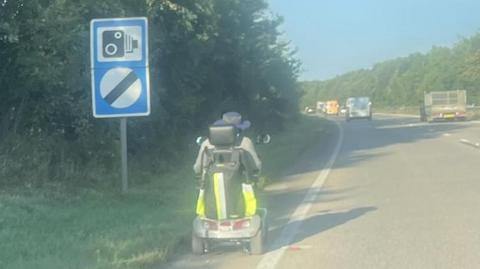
(332, 107)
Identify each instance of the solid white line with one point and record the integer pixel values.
(470, 143)
(397, 114)
(271, 259)
(277, 187)
(410, 125)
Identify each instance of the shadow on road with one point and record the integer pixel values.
(283, 202)
(365, 140)
(317, 224)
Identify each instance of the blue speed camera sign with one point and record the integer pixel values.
(119, 65)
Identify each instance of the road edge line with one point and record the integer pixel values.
(271, 259)
(397, 114)
(469, 143)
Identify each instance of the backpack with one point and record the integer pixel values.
(223, 185)
(224, 193)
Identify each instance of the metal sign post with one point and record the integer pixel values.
(123, 141)
(120, 74)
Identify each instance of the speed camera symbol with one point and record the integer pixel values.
(116, 44)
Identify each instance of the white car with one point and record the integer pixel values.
(358, 108)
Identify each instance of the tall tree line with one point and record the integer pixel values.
(206, 56)
(402, 81)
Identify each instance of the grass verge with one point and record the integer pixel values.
(55, 228)
(409, 110)
(472, 113)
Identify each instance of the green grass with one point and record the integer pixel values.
(285, 148)
(55, 228)
(473, 113)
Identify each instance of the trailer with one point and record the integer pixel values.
(444, 105)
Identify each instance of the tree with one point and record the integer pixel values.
(206, 56)
(402, 81)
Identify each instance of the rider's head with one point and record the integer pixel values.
(234, 118)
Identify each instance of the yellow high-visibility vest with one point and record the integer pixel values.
(250, 201)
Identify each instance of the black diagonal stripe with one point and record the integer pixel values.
(121, 88)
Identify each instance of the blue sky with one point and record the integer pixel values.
(337, 36)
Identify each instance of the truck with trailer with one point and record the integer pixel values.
(444, 105)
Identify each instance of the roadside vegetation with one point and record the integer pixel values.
(206, 57)
(54, 228)
(401, 82)
(59, 167)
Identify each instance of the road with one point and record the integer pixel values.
(399, 194)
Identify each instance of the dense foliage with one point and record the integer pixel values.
(402, 82)
(206, 56)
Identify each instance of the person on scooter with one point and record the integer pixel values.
(250, 165)
(245, 143)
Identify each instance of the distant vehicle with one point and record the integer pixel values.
(321, 107)
(332, 107)
(444, 105)
(358, 108)
(309, 110)
(343, 110)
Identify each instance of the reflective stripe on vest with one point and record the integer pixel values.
(250, 200)
(201, 203)
(220, 200)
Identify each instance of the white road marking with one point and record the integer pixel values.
(397, 115)
(447, 134)
(298, 247)
(402, 125)
(470, 143)
(277, 187)
(271, 259)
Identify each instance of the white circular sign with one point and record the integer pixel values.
(120, 87)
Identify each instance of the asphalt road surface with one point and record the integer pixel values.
(387, 193)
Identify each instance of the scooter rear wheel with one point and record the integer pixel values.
(198, 245)
(257, 243)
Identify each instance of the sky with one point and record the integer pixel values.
(337, 36)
